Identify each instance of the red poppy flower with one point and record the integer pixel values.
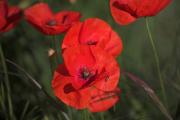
(87, 79)
(10, 16)
(127, 11)
(94, 32)
(41, 17)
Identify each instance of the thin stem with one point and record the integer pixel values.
(56, 49)
(6, 77)
(102, 116)
(86, 115)
(37, 84)
(157, 61)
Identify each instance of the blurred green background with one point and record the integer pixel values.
(28, 47)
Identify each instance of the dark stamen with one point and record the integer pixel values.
(85, 74)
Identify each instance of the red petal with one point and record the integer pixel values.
(72, 36)
(114, 44)
(78, 56)
(3, 8)
(2, 22)
(102, 101)
(162, 5)
(62, 70)
(120, 16)
(13, 18)
(126, 11)
(109, 77)
(64, 90)
(64, 19)
(38, 15)
(96, 32)
(67, 18)
(3, 13)
(94, 29)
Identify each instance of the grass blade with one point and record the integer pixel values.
(151, 94)
(25, 110)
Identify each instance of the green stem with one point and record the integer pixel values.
(102, 116)
(157, 61)
(37, 84)
(56, 49)
(86, 115)
(6, 77)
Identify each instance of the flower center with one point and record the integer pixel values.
(52, 23)
(85, 74)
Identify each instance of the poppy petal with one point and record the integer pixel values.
(94, 30)
(13, 18)
(121, 16)
(3, 8)
(67, 18)
(162, 5)
(76, 57)
(114, 46)
(102, 101)
(72, 36)
(64, 90)
(2, 22)
(38, 15)
(63, 21)
(109, 77)
(127, 11)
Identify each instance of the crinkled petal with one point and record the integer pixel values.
(64, 90)
(120, 15)
(76, 57)
(72, 36)
(94, 30)
(114, 45)
(67, 18)
(109, 77)
(127, 11)
(102, 101)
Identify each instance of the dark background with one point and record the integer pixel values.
(28, 47)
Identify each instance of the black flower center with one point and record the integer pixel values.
(52, 23)
(85, 74)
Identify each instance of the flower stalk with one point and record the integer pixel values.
(163, 91)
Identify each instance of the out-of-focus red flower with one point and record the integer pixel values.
(9, 16)
(94, 32)
(127, 11)
(87, 79)
(42, 18)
